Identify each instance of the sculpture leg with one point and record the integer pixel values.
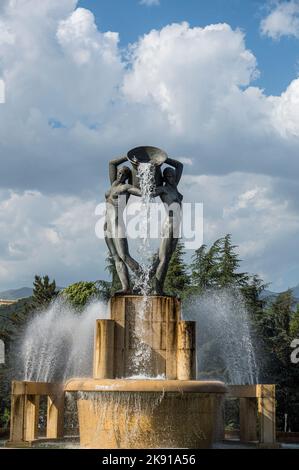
(120, 267)
(167, 247)
(166, 250)
(123, 252)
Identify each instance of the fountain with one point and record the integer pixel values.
(145, 338)
(144, 391)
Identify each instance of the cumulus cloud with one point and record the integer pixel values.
(48, 234)
(74, 100)
(181, 69)
(283, 20)
(262, 214)
(286, 110)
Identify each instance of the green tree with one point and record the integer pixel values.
(44, 291)
(228, 264)
(80, 293)
(294, 324)
(252, 291)
(204, 267)
(177, 279)
(13, 320)
(282, 311)
(276, 331)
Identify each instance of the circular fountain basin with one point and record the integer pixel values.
(134, 413)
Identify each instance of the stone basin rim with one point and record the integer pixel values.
(144, 385)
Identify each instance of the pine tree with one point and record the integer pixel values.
(229, 262)
(177, 279)
(204, 267)
(197, 267)
(282, 310)
(294, 324)
(44, 291)
(276, 331)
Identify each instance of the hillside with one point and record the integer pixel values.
(15, 294)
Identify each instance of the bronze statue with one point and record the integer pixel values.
(114, 228)
(172, 201)
(121, 179)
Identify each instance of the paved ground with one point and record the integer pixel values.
(74, 444)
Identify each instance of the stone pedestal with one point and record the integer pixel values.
(145, 337)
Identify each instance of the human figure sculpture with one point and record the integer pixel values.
(116, 199)
(172, 201)
(114, 229)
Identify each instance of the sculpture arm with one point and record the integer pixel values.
(178, 167)
(113, 164)
(158, 191)
(134, 191)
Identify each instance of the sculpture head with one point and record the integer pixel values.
(169, 176)
(123, 174)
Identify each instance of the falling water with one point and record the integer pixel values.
(146, 179)
(58, 342)
(125, 418)
(141, 353)
(224, 340)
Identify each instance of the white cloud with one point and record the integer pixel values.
(262, 219)
(286, 110)
(149, 3)
(48, 234)
(2, 91)
(283, 20)
(74, 100)
(187, 72)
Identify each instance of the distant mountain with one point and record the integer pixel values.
(14, 294)
(270, 296)
(22, 293)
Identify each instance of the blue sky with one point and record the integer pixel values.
(277, 60)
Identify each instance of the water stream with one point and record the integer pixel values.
(58, 342)
(225, 344)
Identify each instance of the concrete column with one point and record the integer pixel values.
(248, 419)
(186, 350)
(55, 416)
(266, 412)
(17, 423)
(103, 363)
(31, 417)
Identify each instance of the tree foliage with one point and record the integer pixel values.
(44, 291)
(177, 278)
(80, 293)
